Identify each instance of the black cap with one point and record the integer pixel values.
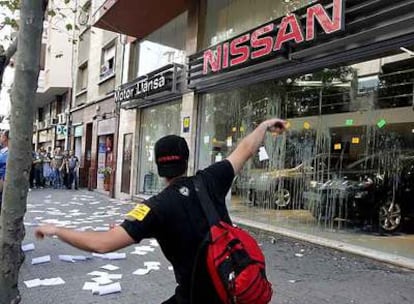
(171, 156)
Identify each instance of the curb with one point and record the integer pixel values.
(338, 245)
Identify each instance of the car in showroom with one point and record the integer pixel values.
(284, 188)
(377, 190)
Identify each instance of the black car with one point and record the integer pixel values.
(377, 190)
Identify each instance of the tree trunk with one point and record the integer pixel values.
(19, 160)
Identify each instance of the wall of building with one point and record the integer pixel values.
(95, 103)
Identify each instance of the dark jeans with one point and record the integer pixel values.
(57, 179)
(73, 178)
(38, 176)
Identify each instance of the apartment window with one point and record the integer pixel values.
(40, 114)
(108, 61)
(82, 82)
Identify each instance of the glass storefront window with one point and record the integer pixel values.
(349, 142)
(156, 122)
(164, 46)
(225, 19)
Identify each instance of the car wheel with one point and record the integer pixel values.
(390, 216)
(282, 198)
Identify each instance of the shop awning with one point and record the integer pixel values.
(137, 18)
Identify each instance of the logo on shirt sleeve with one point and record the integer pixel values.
(139, 212)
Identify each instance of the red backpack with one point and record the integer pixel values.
(235, 261)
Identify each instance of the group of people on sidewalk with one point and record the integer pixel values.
(58, 169)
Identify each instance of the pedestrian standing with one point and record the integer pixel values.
(64, 170)
(57, 163)
(175, 216)
(38, 169)
(73, 166)
(47, 170)
(4, 153)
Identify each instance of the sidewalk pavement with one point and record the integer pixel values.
(397, 249)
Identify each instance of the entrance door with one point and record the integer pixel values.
(88, 154)
(126, 164)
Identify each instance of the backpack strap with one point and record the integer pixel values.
(206, 203)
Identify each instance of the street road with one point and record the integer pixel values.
(302, 273)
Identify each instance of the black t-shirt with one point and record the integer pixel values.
(175, 218)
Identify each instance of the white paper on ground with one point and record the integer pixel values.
(32, 283)
(142, 271)
(114, 276)
(53, 282)
(140, 252)
(102, 280)
(99, 255)
(90, 286)
(170, 268)
(98, 273)
(152, 265)
(66, 258)
(31, 224)
(110, 267)
(45, 282)
(80, 257)
(109, 289)
(154, 243)
(41, 260)
(115, 256)
(28, 247)
(144, 248)
(263, 154)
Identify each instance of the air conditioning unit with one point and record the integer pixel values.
(61, 118)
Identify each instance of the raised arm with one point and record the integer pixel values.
(249, 145)
(101, 242)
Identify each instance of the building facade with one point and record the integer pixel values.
(55, 83)
(99, 67)
(340, 72)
